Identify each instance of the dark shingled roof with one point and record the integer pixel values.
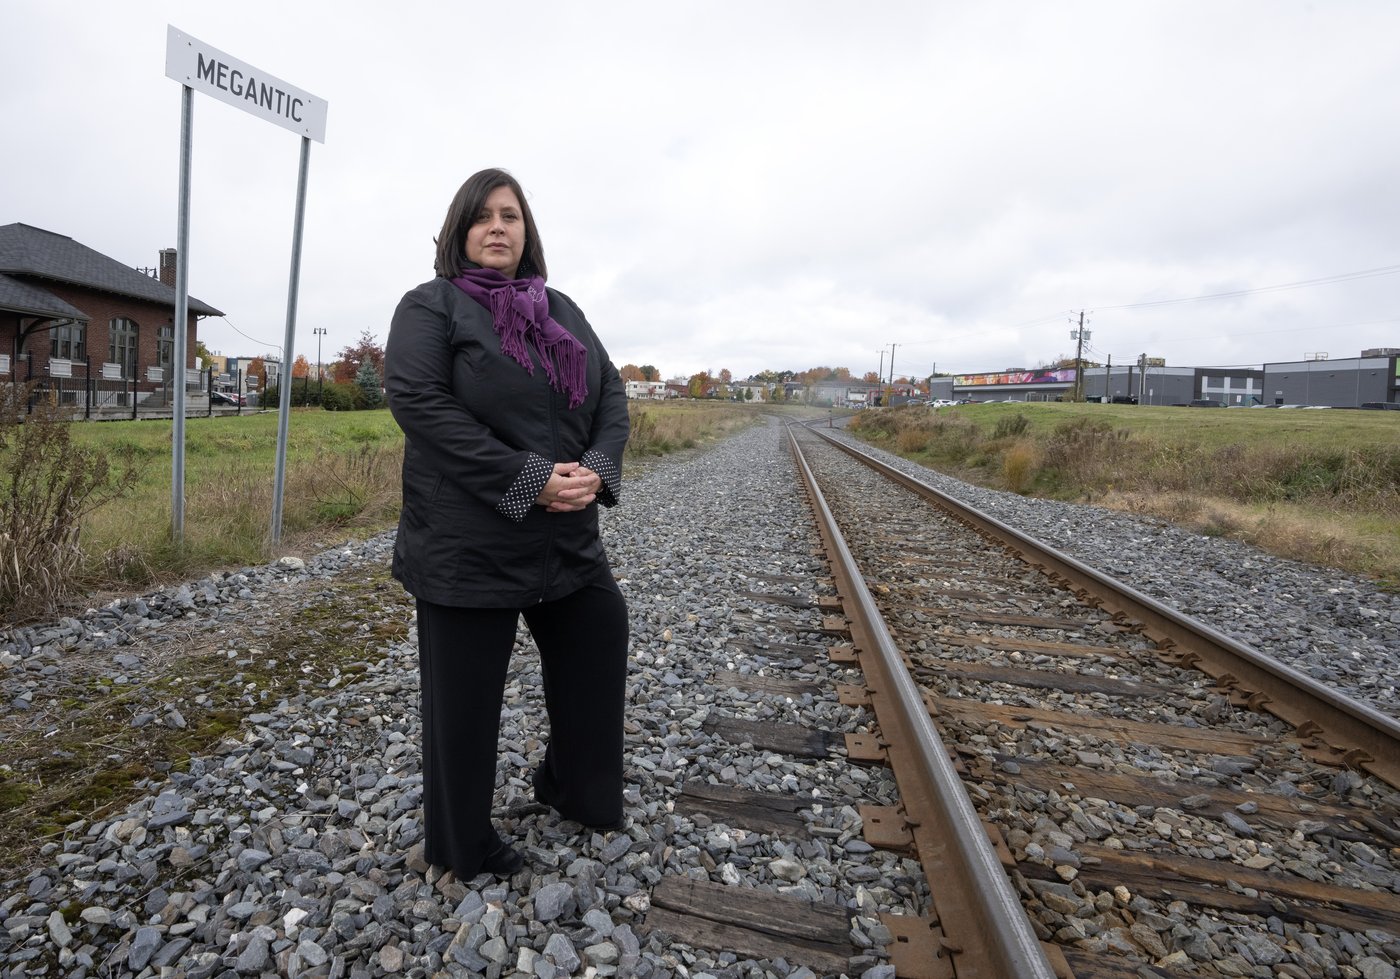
(28, 251)
(20, 297)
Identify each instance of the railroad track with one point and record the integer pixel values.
(1096, 785)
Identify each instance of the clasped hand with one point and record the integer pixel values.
(571, 487)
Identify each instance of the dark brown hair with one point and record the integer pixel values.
(466, 205)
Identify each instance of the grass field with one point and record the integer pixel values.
(341, 472)
(1207, 427)
(1319, 486)
(342, 480)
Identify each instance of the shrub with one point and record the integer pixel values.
(875, 425)
(642, 438)
(344, 487)
(1019, 464)
(50, 485)
(1013, 426)
(342, 396)
(913, 438)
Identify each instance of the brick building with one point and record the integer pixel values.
(72, 314)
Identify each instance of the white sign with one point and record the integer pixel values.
(191, 62)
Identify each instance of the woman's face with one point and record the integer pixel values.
(496, 239)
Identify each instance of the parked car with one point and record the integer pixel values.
(225, 398)
(1206, 403)
(1381, 405)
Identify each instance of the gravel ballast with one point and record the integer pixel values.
(293, 846)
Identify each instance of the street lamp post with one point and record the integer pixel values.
(320, 331)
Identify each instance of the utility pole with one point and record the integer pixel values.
(320, 331)
(1080, 336)
(1108, 380)
(881, 375)
(1142, 379)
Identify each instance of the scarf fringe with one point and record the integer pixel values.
(565, 359)
(511, 326)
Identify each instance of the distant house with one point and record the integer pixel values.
(845, 393)
(655, 390)
(71, 313)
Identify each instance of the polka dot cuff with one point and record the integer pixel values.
(527, 486)
(611, 477)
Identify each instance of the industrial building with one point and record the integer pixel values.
(1368, 380)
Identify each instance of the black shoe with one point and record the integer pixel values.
(503, 861)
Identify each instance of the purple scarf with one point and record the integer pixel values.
(520, 312)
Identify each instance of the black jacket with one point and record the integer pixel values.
(481, 438)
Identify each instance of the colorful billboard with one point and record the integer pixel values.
(1044, 375)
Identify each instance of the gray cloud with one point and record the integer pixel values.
(760, 185)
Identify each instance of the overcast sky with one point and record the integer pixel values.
(759, 185)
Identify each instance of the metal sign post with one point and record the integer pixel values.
(197, 66)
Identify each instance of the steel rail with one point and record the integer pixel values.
(986, 932)
(1334, 726)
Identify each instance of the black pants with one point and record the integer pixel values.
(463, 656)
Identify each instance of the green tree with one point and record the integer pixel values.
(650, 373)
(367, 380)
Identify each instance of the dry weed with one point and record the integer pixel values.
(1019, 464)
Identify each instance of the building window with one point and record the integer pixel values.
(165, 344)
(67, 340)
(121, 348)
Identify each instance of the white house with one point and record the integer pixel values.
(646, 389)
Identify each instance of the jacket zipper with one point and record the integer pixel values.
(553, 458)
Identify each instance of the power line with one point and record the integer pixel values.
(1302, 283)
(264, 343)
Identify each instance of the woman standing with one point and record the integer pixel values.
(515, 421)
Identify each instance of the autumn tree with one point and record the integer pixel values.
(871, 378)
(650, 373)
(631, 372)
(256, 371)
(698, 384)
(300, 367)
(724, 376)
(841, 374)
(347, 368)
